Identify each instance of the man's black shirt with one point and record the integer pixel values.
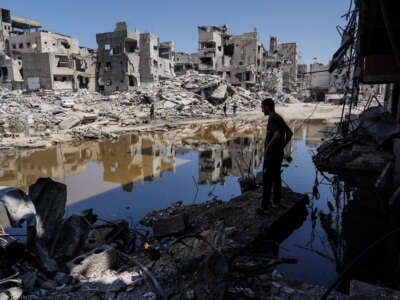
(276, 123)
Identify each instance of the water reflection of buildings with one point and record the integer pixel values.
(130, 159)
(236, 157)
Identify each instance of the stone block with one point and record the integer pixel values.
(170, 225)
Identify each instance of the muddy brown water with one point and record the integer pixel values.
(138, 173)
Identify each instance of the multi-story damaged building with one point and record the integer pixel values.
(303, 78)
(166, 59)
(183, 63)
(118, 59)
(11, 72)
(128, 59)
(54, 61)
(238, 58)
(42, 60)
(246, 59)
(212, 40)
(288, 52)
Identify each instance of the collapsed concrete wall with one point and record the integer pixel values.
(166, 60)
(149, 58)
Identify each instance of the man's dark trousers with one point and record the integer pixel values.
(272, 177)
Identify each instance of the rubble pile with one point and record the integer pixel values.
(367, 148)
(195, 252)
(40, 118)
(371, 147)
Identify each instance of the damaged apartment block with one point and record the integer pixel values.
(118, 59)
(129, 59)
(43, 60)
(243, 60)
(11, 71)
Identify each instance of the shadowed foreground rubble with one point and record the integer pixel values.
(213, 250)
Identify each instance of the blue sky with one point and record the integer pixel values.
(310, 23)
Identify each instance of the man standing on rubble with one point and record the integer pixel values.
(152, 111)
(234, 108)
(277, 137)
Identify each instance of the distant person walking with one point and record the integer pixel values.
(224, 108)
(152, 111)
(234, 108)
(277, 137)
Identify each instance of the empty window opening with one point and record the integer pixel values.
(206, 60)
(28, 45)
(83, 82)
(165, 53)
(4, 73)
(239, 76)
(115, 50)
(108, 67)
(132, 80)
(208, 45)
(65, 43)
(62, 78)
(63, 62)
(14, 46)
(80, 65)
(107, 47)
(21, 45)
(131, 46)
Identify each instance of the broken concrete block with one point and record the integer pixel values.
(219, 94)
(94, 263)
(170, 225)
(49, 198)
(72, 234)
(70, 122)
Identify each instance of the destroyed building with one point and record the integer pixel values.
(11, 73)
(118, 59)
(149, 56)
(246, 59)
(129, 59)
(166, 60)
(285, 57)
(302, 77)
(289, 66)
(43, 60)
(183, 63)
(369, 143)
(212, 40)
(237, 58)
(54, 61)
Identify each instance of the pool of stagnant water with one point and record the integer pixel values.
(147, 171)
